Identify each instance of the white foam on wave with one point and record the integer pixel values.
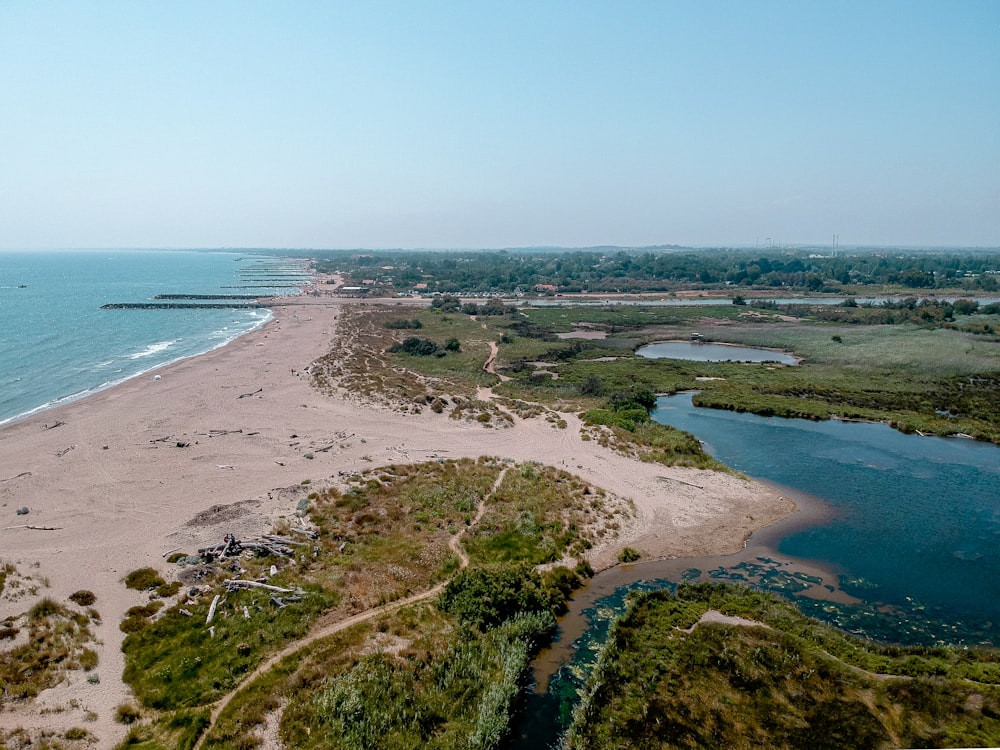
(153, 349)
(260, 318)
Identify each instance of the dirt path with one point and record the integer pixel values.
(490, 365)
(455, 544)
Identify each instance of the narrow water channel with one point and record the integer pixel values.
(897, 538)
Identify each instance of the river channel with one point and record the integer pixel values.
(897, 538)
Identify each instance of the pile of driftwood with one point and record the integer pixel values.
(287, 596)
(267, 544)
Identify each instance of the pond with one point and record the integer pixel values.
(703, 352)
(897, 538)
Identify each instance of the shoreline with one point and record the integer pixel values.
(218, 445)
(93, 391)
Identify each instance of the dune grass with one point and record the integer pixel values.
(540, 514)
(58, 639)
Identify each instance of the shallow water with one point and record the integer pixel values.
(699, 352)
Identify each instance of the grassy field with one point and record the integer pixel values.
(385, 533)
(936, 379)
(539, 515)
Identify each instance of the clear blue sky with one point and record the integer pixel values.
(492, 124)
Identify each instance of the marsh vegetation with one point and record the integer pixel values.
(765, 675)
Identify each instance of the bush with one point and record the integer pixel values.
(628, 419)
(415, 346)
(143, 579)
(44, 609)
(629, 554)
(83, 597)
(126, 714)
(395, 325)
(446, 303)
(168, 589)
(133, 624)
(592, 386)
(640, 397)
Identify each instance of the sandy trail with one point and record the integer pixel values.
(113, 479)
(455, 544)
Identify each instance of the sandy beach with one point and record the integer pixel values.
(217, 444)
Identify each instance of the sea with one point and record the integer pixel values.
(57, 344)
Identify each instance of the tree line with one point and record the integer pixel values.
(619, 270)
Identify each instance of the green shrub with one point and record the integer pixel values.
(143, 579)
(45, 609)
(83, 597)
(629, 554)
(415, 346)
(168, 589)
(133, 624)
(487, 596)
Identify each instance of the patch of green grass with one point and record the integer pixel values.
(296, 676)
(387, 535)
(540, 514)
(442, 686)
(173, 730)
(903, 349)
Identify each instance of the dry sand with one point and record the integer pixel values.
(122, 493)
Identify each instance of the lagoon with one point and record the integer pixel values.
(916, 520)
(897, 539)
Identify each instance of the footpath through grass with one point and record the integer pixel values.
(384, 535)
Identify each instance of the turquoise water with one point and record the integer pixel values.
(56, 344)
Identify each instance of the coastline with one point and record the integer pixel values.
(217, 444)
(88, 392)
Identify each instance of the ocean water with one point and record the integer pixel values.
(57, 344)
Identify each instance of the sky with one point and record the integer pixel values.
(499, 124)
